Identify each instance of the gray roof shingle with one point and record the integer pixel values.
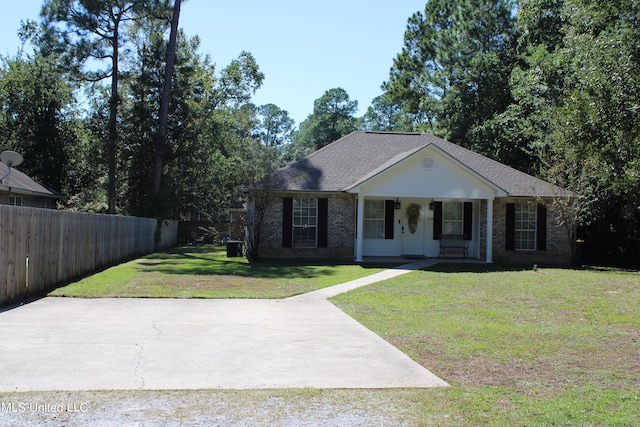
(21, 183)
(359, 156)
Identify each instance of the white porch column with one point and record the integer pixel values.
(359, 227)
(489, 247)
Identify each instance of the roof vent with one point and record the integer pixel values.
(428, 163)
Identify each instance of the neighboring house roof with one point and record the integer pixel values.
(20, 183)
(359, 156)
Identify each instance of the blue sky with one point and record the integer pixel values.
(303, 48)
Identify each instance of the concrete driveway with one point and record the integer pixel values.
(102, 344)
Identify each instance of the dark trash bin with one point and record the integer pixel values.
(234, 248)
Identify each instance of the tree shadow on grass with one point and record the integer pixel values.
(212, 261)
(461, 267)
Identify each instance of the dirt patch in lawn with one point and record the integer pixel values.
(218, 286)
(611, 364)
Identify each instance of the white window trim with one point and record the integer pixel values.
(518, 243)
(459, 222)
(370, 220)
(304, 225)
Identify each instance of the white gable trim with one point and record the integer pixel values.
(500, 192)
(389, 168)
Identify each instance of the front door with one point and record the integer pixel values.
(413, 228)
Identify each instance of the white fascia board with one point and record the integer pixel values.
(499, 192)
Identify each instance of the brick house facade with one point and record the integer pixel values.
(557, 241)
(351, 199)
(340, 228)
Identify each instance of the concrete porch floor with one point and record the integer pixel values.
(432, 260)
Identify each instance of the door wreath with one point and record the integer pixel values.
(413, 214)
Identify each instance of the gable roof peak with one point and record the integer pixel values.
(360, 155)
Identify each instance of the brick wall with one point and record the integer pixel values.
(557, 252)
(341, 228)
(342, 223)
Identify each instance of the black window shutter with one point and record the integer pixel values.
(388, 219)
(437, 221)
(510, 232)
(467, 217)
(323, 221)
(541, 228)
(287, 222)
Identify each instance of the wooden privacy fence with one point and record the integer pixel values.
(40, 248)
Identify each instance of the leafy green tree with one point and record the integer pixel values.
(88, 176)
(40, 118)
(140, 103)
(453, 72)
(598, 123)
(521, 133)
(332, 118)
(602, 91)
(209, 127)
(540, 22)
(92, 30)
(37, 117)
(575, 114)
(275, 128)
(210, 118)
(273, 132)
(239, 81)
(223, 137)
(386, 115)
(192, 77)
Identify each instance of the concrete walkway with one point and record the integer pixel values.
(332, 291)
(298, 342)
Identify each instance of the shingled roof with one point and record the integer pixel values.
(21, 183)
(359, 156)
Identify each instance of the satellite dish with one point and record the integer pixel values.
(11, 158)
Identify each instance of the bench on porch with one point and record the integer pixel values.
(455, 242)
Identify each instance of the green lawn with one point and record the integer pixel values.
(206, 272)
(552, 347)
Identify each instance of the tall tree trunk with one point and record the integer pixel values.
(161, 139)
(113, 123)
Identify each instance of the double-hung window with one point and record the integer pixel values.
(525, 226)
(374, 219)
(452, 218)
(305, 223)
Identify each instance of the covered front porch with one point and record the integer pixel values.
(404, 210)
(411, 227)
